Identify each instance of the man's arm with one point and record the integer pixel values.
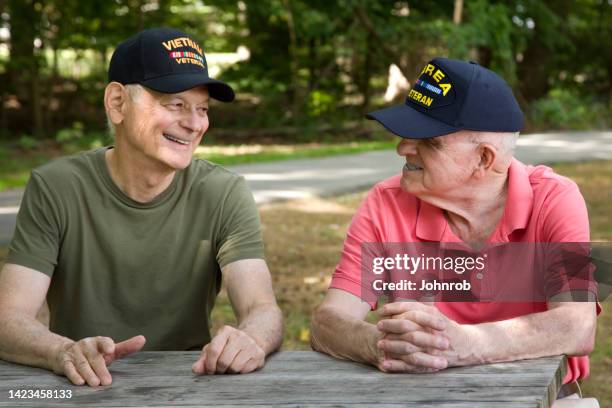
(566, 328)
(260, 322)
(338, 329)
(25, 340)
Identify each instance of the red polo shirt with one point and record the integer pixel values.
(541, 207)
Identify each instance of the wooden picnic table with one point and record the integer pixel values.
(293, 378)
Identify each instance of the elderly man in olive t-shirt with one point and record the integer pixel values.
(131, 242)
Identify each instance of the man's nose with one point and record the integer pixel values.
(192, 121)
(406, 146)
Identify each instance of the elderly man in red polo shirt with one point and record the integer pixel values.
(460, 183)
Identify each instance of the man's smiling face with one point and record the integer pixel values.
(167, 128)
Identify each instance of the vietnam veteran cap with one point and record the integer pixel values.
(452, 95)
(165, 60)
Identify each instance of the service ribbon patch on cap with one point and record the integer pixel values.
(433, 89)
(184, 57)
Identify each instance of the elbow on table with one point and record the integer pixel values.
(320, 318)
(584, 338)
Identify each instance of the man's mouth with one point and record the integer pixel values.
(412, 167)
(176, 140)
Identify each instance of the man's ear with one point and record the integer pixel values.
(114, 102)
(487, 155)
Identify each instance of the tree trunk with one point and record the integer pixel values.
(458, 12)
(366, 74)
(293, 46)
(23, 63)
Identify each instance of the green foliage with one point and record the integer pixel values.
(311, 62)
(71, 134)
(27, 142)
(567, 109)
(320, 102)
(488, 35)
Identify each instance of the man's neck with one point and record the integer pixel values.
(136, 176)
(474, 213)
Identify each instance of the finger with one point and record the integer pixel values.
(98, 365)
(251, 365)
(406, 326)
(106, 345)
(400, 307)
(215, 348)
(230, 351)
(82, 365)
(428, 340)
(129, 346)
(198, 366)
(439, 341)
(72, 374)
(397, 347)
(397, 326)
(418, 337)
(237, 365)
(420, 359)
(423, 318)
(399, 366)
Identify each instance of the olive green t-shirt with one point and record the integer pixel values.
(121, 268)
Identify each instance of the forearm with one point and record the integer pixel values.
(548, 333)
(264, 324)
(25, 340)
(344, 336)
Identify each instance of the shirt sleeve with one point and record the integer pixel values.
(240, 231)
(566, 232)
(566, 227)
(362, 230)
(38, 230)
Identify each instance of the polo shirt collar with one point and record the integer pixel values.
(431, 222)
(519, 202)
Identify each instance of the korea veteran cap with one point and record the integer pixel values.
(452, 95)
(165, 60)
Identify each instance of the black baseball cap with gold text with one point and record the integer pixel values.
(165, 60)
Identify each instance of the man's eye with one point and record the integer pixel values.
(175, 105)
(203, 110)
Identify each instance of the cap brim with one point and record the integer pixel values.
(182, 82)
(409, 123)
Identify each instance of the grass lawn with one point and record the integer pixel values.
(304, 239)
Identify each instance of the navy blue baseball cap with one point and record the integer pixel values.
(452, 95)
(165, 60)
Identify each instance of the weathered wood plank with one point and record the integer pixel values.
(295, 379)
(291, 393)
(306, 361)
(406, 380)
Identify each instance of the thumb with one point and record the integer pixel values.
(129, 346)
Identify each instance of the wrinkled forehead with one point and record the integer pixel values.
(197, 95)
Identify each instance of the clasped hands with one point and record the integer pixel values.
(85, 361)
(418, 338)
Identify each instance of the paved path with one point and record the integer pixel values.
(339, 174)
